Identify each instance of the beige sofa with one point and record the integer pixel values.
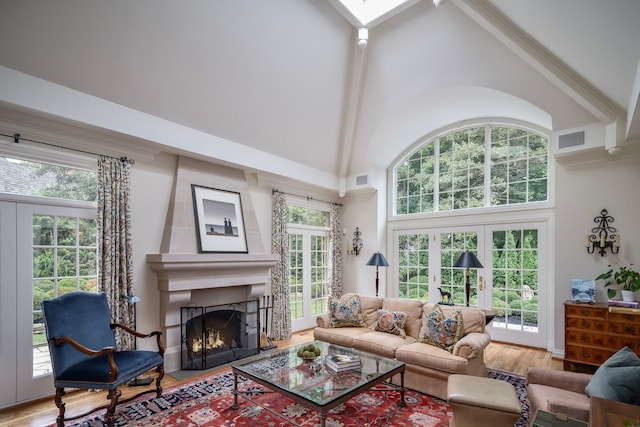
(427, 366)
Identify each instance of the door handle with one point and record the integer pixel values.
(480, 283)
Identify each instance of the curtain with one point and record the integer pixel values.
(335, 248)
(281, 327)
(115, 266)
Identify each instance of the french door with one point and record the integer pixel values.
(308, 275)
(511, 282)
(47, 250)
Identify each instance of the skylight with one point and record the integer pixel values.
(368, 13)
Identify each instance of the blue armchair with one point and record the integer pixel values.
(83, 351)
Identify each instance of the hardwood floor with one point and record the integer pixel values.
(506, 357)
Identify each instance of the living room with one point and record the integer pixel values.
(63, 82)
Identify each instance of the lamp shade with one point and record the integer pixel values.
(378, 260)
(468, 260)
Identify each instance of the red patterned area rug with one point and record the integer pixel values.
(207, 401)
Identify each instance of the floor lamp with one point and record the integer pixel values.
(467, 260)
(378, 260)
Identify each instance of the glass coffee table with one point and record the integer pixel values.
(312, 383)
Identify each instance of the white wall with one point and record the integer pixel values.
(581, 193)
(150, 191)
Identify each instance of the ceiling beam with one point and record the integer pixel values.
(351, 110)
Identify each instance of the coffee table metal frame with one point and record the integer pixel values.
(285, 361)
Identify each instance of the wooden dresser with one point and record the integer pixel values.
(593, 333)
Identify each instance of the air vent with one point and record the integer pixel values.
(362, 180)
(571, 139)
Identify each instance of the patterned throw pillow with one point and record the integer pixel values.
(344, 314)
(443, 331)
(392, 322)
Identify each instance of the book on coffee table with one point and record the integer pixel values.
(342, 362)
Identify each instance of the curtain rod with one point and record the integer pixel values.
(275, 190)
(17, 138)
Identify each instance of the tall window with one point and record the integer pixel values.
(308, 264)
(62, 244)
(64, 260)
(476, 168)
(515, 279)
(472, 168)
(413, 266)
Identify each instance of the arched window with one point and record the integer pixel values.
(476, 167)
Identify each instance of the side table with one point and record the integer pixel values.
(608, 413)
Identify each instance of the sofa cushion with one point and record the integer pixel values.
(392, 322)
(413, 308)
(380, 343)
(369, 307)
(346, 313)
(618, 378)
(443, 331)
(432, 357)
(473, 318)
(339, 336)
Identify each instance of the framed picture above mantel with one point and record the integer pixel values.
(219, 220)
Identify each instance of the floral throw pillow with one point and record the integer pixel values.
(443, 331)
(392, 322)
(344, 314)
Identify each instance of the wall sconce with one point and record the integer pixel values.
(603, 236)
(355, 246)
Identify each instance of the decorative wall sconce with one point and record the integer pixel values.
(603, 236)
(355, 245)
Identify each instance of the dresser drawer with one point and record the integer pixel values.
(624, 328)
(589, 355)
(585, 311)
(589, 324)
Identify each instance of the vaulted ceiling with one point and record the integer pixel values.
(282, 86)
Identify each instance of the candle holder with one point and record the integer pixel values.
(603, 236)
(355, 246)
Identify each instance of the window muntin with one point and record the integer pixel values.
(455, 171)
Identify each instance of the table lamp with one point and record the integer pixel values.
(378, 260)
(467, 260)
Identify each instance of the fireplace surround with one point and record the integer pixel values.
(188, 278)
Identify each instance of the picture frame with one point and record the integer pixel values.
(219, 220)
(583, 291)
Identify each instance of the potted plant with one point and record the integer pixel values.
(625, 277)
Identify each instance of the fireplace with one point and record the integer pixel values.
(214, 335)
(189, 278)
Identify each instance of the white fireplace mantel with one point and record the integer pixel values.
(185, 276)
(180, 272)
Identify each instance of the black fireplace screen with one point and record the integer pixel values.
(218, 334)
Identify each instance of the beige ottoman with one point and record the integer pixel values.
(478, 401)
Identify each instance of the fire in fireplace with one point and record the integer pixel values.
(218, 334)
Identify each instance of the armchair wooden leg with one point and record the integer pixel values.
(58, 399)
(160, 370)
(113, 396)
